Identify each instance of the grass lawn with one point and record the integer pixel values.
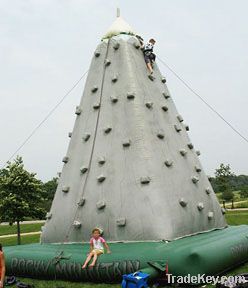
(28, 239)
(25, 228)
(65, 284)
(237, 217)
(232, 217)
(239, 270)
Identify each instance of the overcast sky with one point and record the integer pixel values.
(46, 45)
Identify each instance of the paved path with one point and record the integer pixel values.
(237, 209)
(22, 234)
(25, 222)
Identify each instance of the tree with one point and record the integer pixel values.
(212, 180)
(223, 176)
(20, 195)
(49, 189)
(227, 195)
(244, 191)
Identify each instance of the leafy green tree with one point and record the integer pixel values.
(244, 191)
(20, 195)
(239, 182)
(227, 195)
(214, 184)
(223, 176)
(49, 189)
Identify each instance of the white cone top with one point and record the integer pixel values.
(119, 26)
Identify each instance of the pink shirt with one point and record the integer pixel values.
(97, 243)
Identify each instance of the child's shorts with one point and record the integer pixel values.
(147, 59)
(98, 251)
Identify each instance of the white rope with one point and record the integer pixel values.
(204, 101)
(43, 121)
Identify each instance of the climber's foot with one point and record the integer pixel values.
(151, 77)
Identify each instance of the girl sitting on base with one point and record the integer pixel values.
(96, 247)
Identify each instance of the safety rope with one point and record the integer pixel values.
(204, 101)
(44, 120)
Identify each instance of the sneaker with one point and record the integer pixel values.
(151, 77)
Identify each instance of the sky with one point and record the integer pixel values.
(46, 45)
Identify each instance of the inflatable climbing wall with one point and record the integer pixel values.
(130, 168)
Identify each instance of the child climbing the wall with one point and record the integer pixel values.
(149, 56)
(97, 245)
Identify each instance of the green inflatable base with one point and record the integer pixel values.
(209, 253)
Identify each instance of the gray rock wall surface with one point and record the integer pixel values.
(130, 168)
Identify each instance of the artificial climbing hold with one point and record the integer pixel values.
(163, 80)
(100, 205)
(136, 45)
(130, 95)
(183, 152)
(77, 224)
(145, 180)
(186, 127)
(168, 163)
(81, 202)
(149, 105)
(115, 79)
(101, 160)
(116, 46)
(198, 169)
(65, 189)
(165, 108)
(83, 169)
(121, 222)
(97, 53)
(78, 110)
(190, 145)
(210, 215)
(48, 215)
(195, 179)
(208, 190)
(86, 137)
(94, 89)
(107, 62)
(101, 178)
(107, 130)
(166, 95)
(113, 99)
(160, 135)
(65, 159)
(177, 128)
(179, 118)
(96, 106)
(182, 202)
(200, 206)
(126, 143)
